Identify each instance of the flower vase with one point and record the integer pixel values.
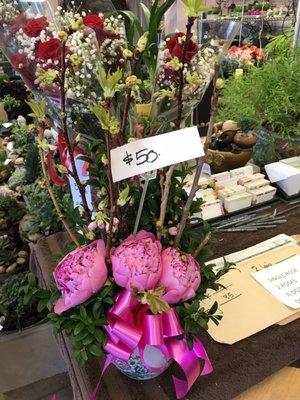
(151, 366)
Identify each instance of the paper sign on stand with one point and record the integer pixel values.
(282, 280)
(286, 177)
(155, 152)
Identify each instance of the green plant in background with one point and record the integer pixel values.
(10, 209)
(5, 170)
(280, 46)
(10, 103)
(268, 95)
(19, 302)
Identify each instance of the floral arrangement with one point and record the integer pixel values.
(117, 291)
(244, 57)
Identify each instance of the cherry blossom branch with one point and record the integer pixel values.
(202, 244)
(51, 192)
(169, 174)
(200, 161)
(75, 175)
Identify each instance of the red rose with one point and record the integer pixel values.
(93, 21)
(35, 26)
(176, 48)
(19, 61)
(50, 50)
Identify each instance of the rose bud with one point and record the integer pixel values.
(137, 262)
(180, 276)
(80, 275)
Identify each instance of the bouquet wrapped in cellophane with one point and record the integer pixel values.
(133, 293)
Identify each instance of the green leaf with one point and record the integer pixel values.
(79, 328)
(95, 350)
(152, 298)
(109, 82)
(146, 12)
(83, 313)
(38, 108)
(101, 115)
(213, 308)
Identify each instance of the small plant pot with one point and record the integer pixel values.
(221, 161)
(153, 365)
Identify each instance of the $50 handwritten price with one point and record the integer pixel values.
(144, 156)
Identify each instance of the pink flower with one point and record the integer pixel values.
(92, 226)
(180, 276)
(80, 275)
(137, 262)
(173, 231)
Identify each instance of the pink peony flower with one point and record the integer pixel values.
(80, 275)
(173, 230)
(137, 262)
(180, 276)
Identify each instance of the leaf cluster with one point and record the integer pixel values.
(84, 324)
(269, 96)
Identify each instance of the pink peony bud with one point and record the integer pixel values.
(137, 262)
(180, 276)
(101, 224)
(92, 226)
(79, 275)
(173, 231)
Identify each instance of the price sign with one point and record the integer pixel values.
(156, 152)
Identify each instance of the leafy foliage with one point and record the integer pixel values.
(84, 324)
(269, 97)
(19, 301)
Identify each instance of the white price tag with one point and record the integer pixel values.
(7, 161)
(83, 176)
(155, 152)
(282, 280)
(7, 125)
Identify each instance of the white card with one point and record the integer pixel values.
(155, 152)
(7, 161)
(7, 125)
(282, 280)
(83, 176)
(206, 169)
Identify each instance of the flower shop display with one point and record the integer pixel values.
(243, 57)
(133, 284)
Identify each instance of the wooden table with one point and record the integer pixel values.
(236, 368)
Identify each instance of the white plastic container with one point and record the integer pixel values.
(237, 202)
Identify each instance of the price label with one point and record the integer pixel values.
(206, 169)
(156, 152)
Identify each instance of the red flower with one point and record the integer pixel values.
(49, 50)
(176, 48)
(19, 61)
(35, 26)
(93, 21)
(233, 49)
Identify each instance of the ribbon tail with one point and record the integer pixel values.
(200, 352)
(108, 361)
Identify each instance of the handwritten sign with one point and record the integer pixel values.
(156, 152)
(282, 280)
(83, 176)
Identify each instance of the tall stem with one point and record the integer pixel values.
(169, 174)
(52, 195)
(200, 161)
(128, 97)
(81, 187)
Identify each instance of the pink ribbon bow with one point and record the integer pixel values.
(132, 326)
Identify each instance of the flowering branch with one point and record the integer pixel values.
(51, 192)
(200, 161)
(169, 174)
(81, 187)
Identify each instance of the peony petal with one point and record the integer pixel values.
(60, 306)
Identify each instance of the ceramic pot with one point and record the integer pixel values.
(154, 364)
(221, 161)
